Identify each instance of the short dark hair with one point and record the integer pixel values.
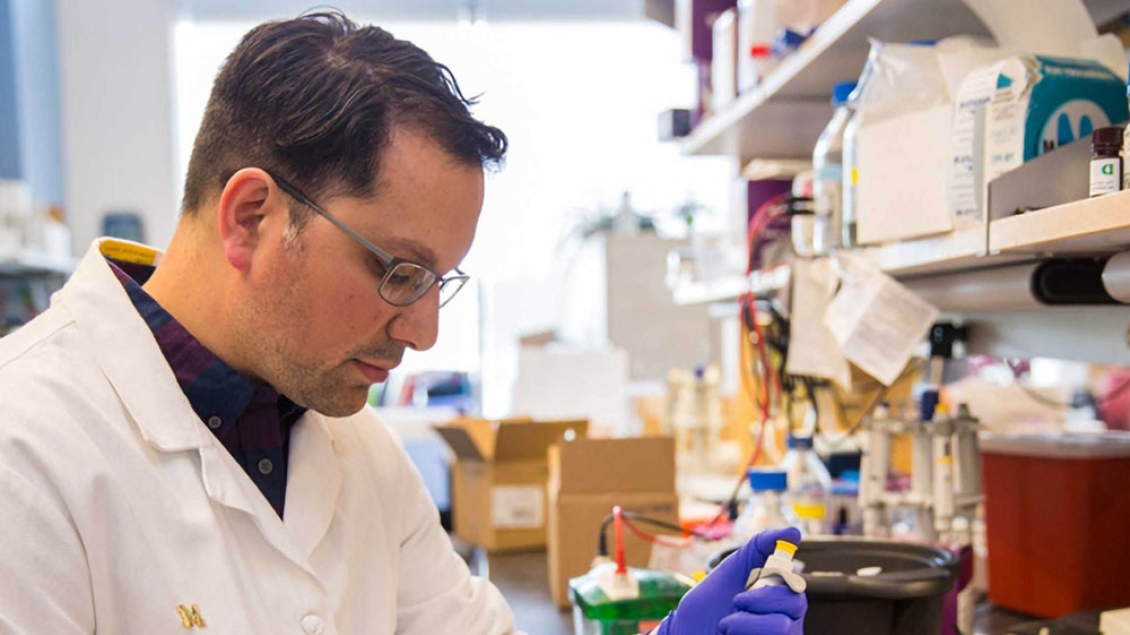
(314, 99)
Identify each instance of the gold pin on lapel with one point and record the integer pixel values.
(190, 616)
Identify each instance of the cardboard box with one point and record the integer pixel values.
(498, 494)
(901, 182)
(587, 477)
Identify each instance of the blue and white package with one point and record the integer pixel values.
(1017, 109)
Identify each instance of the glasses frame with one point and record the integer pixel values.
(387, 260)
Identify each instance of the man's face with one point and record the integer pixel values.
(313, 319)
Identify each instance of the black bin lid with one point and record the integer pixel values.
(907, 571)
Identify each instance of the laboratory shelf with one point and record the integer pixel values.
(730, 287)
(959, 249)
(1094, 226)
(962, 249)
(784, 115)
(33, 263)
(1090, 227)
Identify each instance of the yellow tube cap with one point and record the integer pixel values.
(787, 547)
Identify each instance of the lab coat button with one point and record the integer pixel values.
(312, 625)
(215, 422)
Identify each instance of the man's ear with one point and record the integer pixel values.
(245, 201)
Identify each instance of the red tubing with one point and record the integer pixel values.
(618, 519)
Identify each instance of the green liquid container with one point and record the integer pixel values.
(595, 614)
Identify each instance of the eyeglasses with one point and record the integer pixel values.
(403, 281)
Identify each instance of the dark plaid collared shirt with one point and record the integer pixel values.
(248, 417)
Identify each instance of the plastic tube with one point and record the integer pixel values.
(922, 465)
(777, 566)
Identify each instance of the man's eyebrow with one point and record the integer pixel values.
(413, 250)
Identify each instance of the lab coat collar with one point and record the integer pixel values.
(124, 347)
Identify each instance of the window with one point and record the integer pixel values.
(579, 102)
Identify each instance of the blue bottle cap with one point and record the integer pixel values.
(768, 480)
(841, 91)
(804, 443)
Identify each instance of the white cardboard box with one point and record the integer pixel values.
(901, 177)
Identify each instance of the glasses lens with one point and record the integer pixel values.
(406, 283)
(449, 288)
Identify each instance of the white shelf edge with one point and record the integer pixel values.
(962, 248)
(1091, 226)
(729, 288)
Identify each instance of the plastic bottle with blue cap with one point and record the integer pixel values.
(827, 167)
(810, 486)
(768, 506)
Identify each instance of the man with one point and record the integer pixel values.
(184, 442)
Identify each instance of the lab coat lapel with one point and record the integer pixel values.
(228, 485)
(313, 481)
(123, 346)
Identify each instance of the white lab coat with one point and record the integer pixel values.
(117, 504)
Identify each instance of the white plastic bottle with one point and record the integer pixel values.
(810, 486)
(757, 26)
(767, 508)
(849, 214)
(827, 165)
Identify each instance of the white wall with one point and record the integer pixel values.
(37, 92)
(115, 72)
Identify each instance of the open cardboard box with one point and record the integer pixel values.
(587, 477)
(498, 490)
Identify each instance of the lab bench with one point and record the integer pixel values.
(522, 579)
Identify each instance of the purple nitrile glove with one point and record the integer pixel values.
(721, 604)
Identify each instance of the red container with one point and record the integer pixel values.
(1057, 519)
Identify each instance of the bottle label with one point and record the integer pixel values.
(1106, 176)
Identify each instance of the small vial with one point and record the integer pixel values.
(777, 566)
(1125, 155)
(1126, 150)
(1106, 161)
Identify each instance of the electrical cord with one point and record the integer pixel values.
(629, 518)
(773, 381)
(677, 543)
(758, 223)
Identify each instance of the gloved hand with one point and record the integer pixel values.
(720, 603)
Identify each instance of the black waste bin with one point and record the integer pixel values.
(906, 597)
